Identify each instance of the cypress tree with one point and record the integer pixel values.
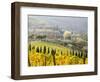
(44, 50)
(29, 64)
(86, 55)
(29, 47)
(70, 52)
(48, 50)
(81, 54)
(37, 49)
(61, 52)
(40, 49)
(53, 52)
(73, 52)
(76, 54)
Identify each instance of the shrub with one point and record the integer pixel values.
(33, 47)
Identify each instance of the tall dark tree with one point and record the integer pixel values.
(48, 50)
(61, 53)
(81, 54)
(44, 51)
(73, 52)
(40, 49)
(84, 57)
(37, 49)
(70, 52)
(53, 52)
(29, 64)
(76, 54)
(29, 47)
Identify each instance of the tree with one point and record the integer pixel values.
(33, 47)
(61, 53)
(86, 53)
(48, 50)
(31, 36)
(29, 47)
(41, 37)
(44, 36)
(73, 52)
(84, 57)
(37, 49)
(29, 64)
(41, 49)
(53, 52)
(44, 50)
(81, 54)
(70, 52)
(76, 54)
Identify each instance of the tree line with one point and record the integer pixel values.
(53, 51)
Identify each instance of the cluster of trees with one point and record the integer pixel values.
(39, 37)
(54, 52)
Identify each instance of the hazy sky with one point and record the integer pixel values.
(76, 24)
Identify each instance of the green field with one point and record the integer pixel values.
(51, 54)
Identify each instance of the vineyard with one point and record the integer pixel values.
(49, 54)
